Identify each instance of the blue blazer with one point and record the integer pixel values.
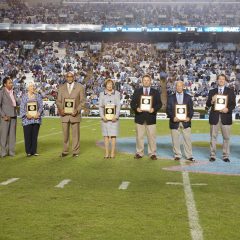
(226, 118)
(146, 117)
(171, 102)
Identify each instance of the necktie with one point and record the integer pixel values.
(146, 92)
(220, 91)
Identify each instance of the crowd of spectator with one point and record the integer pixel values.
(197, 64)
(113, 13)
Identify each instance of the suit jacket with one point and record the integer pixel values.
(6, 107)
(171, 102)
(226, 118)
(115, 99)
(79, 96)
(146, 117)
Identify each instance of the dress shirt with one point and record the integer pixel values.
(10, 92)
(179, 98)
(70, 87)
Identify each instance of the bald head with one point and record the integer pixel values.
(179, 86)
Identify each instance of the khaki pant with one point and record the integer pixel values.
(187, 143)
(151, 136)
(225, 129)
(75, 137)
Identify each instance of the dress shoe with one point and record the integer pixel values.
(137, 156)
(212, 159)
(153, 157)
(75, 155)
(226, 160)
(177, 158)
(63, 154)
(191, 159)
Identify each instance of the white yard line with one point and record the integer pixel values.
(124, 185)
(193, 184)
(11, 180)
(174, 183)
(199, 184)
(63, 183)
(195, 227)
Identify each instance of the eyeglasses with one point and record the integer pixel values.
(69, 76)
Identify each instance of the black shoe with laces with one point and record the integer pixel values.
(212, 159)
(226, 160)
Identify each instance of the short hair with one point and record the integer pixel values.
(72, 73)
(5, 80)
(179, 81)
(109, 80)
(30, 83)
(146, 75)
(222, 75)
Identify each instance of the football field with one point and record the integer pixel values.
(89, 197)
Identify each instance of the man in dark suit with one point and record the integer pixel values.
(8, 114)
(221, 119)
(179, 126)
(146, 120)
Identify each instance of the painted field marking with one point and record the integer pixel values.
(193, 184)
(11, 180)
(195, 227)
(174, 183)
(63, 183)
(124, 185)
(199, 184)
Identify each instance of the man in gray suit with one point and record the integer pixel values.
(8, 118)
(74, 91)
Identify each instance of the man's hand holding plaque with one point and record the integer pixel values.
(181, 113)
(69, 106)
(146, 104)
(220, 103)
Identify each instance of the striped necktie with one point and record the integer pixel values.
(146, 92)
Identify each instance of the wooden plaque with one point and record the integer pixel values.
(32, 108)
(146, 103)
(69, 105)
(221, 102)
(181, 111)
(109, 111)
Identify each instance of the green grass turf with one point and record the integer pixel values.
(92, 207)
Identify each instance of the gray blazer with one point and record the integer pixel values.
(6, 107)
(104, 99)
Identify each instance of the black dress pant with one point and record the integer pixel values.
(30, 137)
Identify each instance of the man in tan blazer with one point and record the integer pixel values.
(71, 90)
